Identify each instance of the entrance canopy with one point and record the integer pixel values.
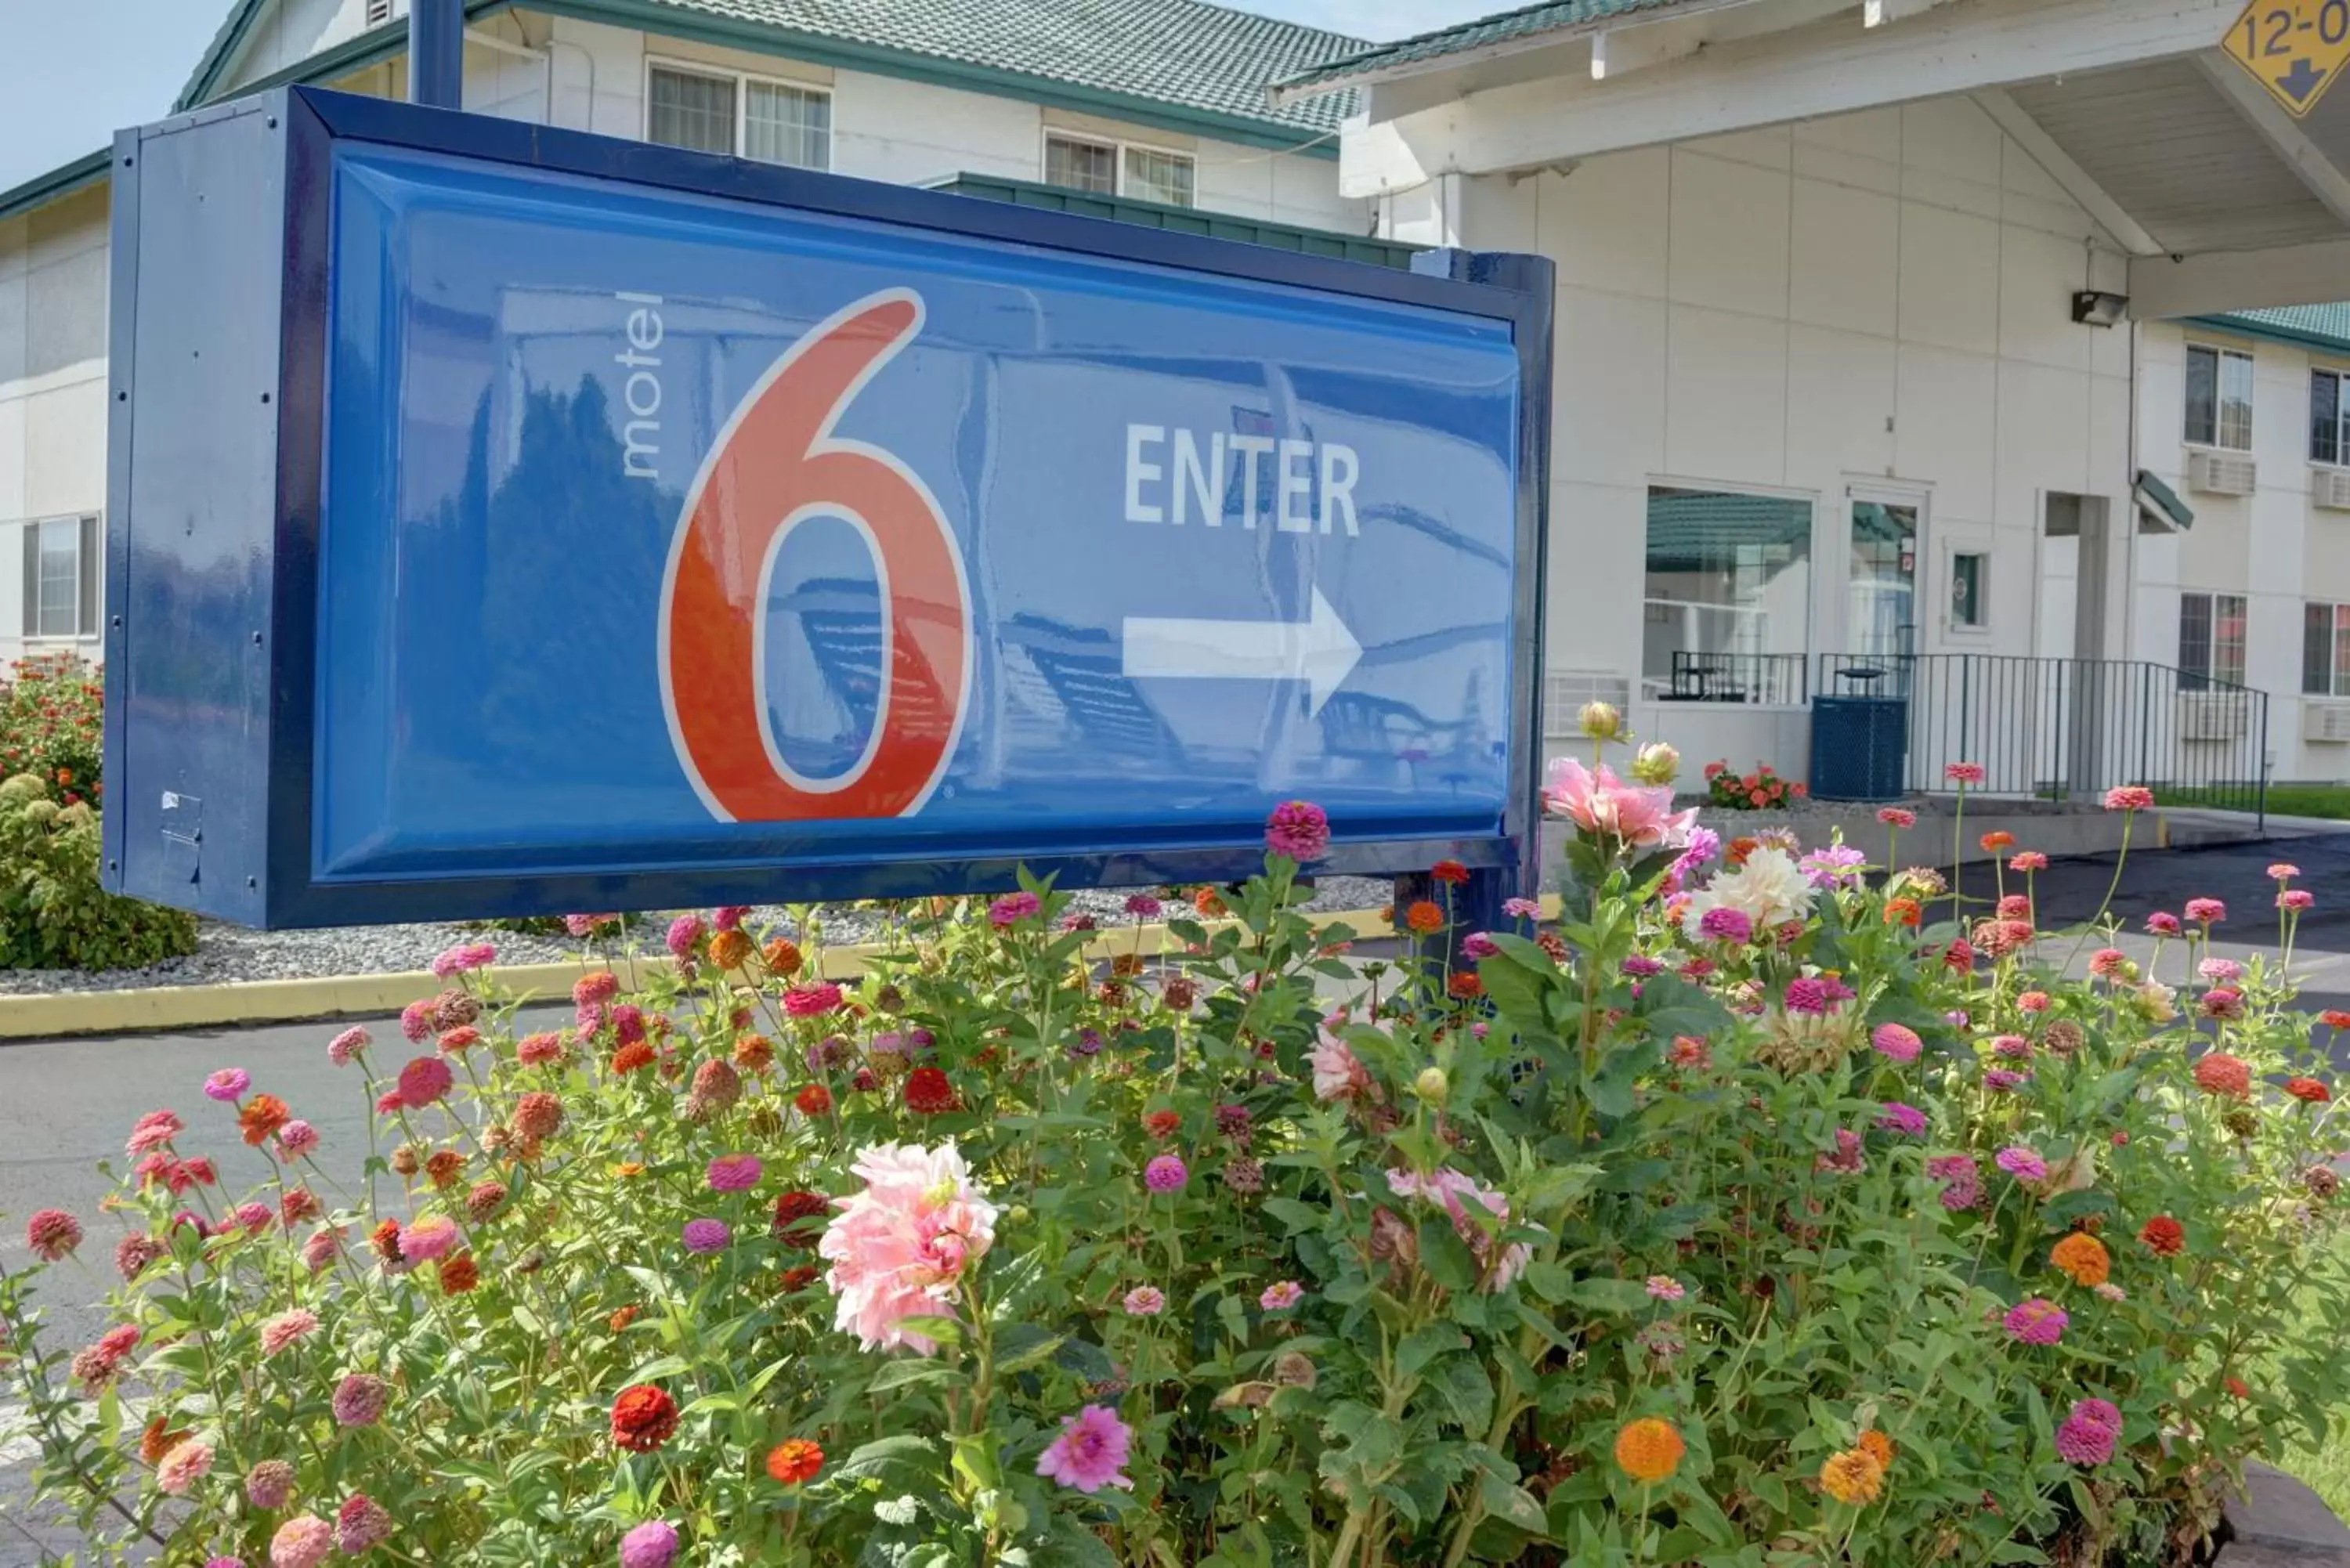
(2201, 137)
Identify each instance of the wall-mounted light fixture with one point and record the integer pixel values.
(2095, 307)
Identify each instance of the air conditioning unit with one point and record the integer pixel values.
(2324, 721)
(2213, 715)
(2221, 472)
(2330, 488)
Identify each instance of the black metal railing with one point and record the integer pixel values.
(1761, 679)
(2060, 729)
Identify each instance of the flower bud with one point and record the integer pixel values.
(1656, 764)
(1601, 720)
(1431, 1085)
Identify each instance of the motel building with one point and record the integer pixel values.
(1935, 380)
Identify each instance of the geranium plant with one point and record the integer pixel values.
(1761, 790)
(1736, 1216)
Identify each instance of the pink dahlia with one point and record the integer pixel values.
(1599, 803)
(1455, 1192)
(302, 1542)
(1299, 830)
(424, 1080)
(155, 1131)
(1090, 1452)
(52, 1233)
(898, 1246)
(734, 1172)
(228, 1086)
(345, 1048)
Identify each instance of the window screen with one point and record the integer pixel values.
(685, 108)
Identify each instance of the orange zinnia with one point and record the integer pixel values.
(730, 950)
(1425, 918)
(1649, 1449)
(2081, 1257)
(262, 1116)
(1852, 1476)
(460, 1273)
(1464, 985)
(794, 1460)
(781, 956)
(1877, 1447)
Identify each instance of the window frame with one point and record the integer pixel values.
(2221, 356)
(742, 80)
(2194, 678)
(1979, 553)
(1119, 146)
(1816, 538)
(2337, 653)
(2341, 380)
(89, 539)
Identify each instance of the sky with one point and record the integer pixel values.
(88, 67)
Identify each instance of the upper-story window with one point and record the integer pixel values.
(1119, 169)
(744, 115)
(2329, 417)
(2218, 398)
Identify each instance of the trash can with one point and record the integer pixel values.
(1860, 742)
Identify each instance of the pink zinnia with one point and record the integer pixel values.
(1897, 1042)
(2024, 1164)
(422, 1240)
(2036, 1321)
(2206, 911)
(597, 986)
(2162, 923)
(1145, 1301)
(1299, 830)
(2129, 797)
(287, 1330)
(424, 1080)
(363, 1525)
(269, 1485)
(188, 1462)
(1281, 1295)
(297, 1139)
(1599, 803)
(416, 1020)
(2089, 1432)
(899, 1247)
(2223, 1002)
(1665, 1288)
(653, 1545)
(1478, 945)
(706, 1236)
(2004, 1080)
(734, 1172)
(344, 1048)
(1896, 816)
(811, 1001)
(2296, 899)
(464, 958)
(1523, 909)
(728, 917)
(1142, 906)
(323, 1247)
(684, 933)
(2013, 1047)
(1961, 1180)
(1724, 924)
(52, 1233)
(2106, 963)
(1166, 1173)
(359, 1400)
(153, 1131)
(302, 1542)
(1904, 1119)
(1964, 773)
(1013, 908)
(540, 1050)
(2028, 860)
(228, 1086)
(1090, 1452)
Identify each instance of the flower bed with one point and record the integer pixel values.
(1748, 1215)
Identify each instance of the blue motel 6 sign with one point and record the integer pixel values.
(510, 520)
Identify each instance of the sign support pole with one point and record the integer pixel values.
(436, 53)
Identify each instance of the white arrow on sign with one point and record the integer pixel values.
(1319, 650)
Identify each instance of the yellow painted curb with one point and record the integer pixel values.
(231, 1003)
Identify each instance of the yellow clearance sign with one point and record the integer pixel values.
(2292, 48)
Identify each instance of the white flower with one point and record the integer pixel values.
(1770, 891)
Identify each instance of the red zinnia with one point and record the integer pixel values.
(643, 1418)
(1464, 985)
(2335, 1018)
(794, 1460)
(1451, 871)
(2164, 1236)
(816, 1100)
(423, 1081)
(795, 1208)
(2311, 1090)
(635, 1054)
(1164, 1123)
(2220, 1073)
(1425, 918)
(928, 1092)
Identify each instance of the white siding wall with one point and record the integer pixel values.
(53, 283)
(2275, 546)
(1879, 296)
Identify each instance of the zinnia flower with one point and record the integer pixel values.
(2023, 1163)
(929, 1092)
(2163, 923)
(2223, 1002)
(1724, 924)
(2310, 1091)
(345, 1048)
(2107, 963)
(899, 1247)
(302, 1542)
(1649, 1449)
(2164, 1236)
(359, 1400)
(2089, 1433)
(2231, 1077)
(2206, 911)
(1961, 1180)
(1964, 773)
(794, 1460)
(2296, 899)
(1897, 1042)
(155, 1131)
(1906, 1120)
(1665, 1288)
(1298, 830)
(1145, 1301)
(52, 1233)
(811, 1001)
(297, 1139)
(1165, 1173)
(1896, 816)
(184, 1466)
(424, 1080)
(1425, 918)
(814, 1101)
(1281, 1295)
(653, 1545)
(538, 1115)
(2036, 1321)
(2081, 1257)
(734, 1172)
(228, 1086)
(544, 1049)
(269, 1485)
(1012, 908)
(286, 1329)
(361, 1525)
(643, 1418)
(706, 1236)
(1852, 1476)
(261, 1118)
(422, 1240)
(1091, 1451)
(2129, 797)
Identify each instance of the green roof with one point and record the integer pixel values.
(63, 181)
(1175, 64)
(1526, 23)
(2324, 327)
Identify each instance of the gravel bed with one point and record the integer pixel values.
(225, 953)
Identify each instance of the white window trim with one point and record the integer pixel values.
(1119, 146)
(1956, 541)
(742, 80)
(2251, 435)
(30, 636)
(2341, 407)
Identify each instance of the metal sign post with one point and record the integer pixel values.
(510, 520)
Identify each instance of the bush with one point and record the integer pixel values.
(1727, 1221)
(1761, 790)
(53, 913)
(49, 725)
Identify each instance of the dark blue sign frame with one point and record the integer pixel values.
(216, 467)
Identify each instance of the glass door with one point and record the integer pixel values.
(1881, 621)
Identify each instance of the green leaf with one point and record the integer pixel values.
(1616, 1296)
(1513, 1503)
(910, 1372)
(1023, 1346)
(1445, 1256)
(1460, 1382)
(878, 1458)
(944, 1330)
(1424, 1344)
(1293, 1216)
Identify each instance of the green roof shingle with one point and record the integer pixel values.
(2317, 325)
(1503, 27)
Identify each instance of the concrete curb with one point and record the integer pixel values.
(229, 1003)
